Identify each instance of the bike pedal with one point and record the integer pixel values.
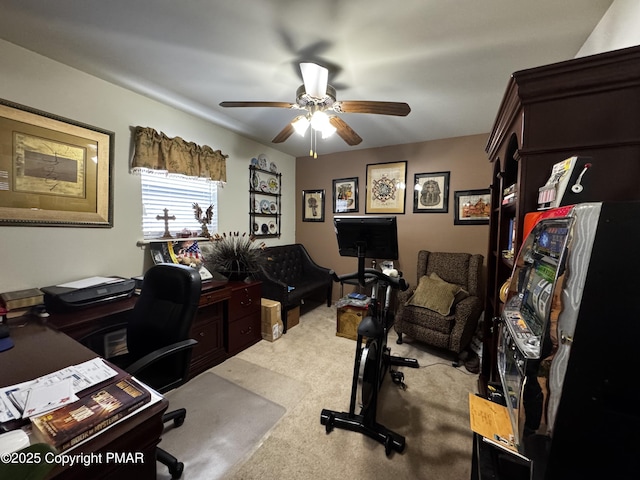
(398, 379)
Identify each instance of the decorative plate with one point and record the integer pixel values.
(265, 228)
(273, 168)
(273, 185)
(263, 163)
(273, 208)
(256, 227)
(264, 206)
(272, 227)
(263, 186)
(255, 181)
(254, 162)
(256, 205)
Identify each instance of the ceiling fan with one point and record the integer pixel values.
(318, 99)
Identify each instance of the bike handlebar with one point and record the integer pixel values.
(395, 282)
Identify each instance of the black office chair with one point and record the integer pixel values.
(158, 343)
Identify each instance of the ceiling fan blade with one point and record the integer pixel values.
(400, 109)
(259, 104)
(345, 131)
(315, 79)
(284, 134)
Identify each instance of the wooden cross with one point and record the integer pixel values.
(166, 219)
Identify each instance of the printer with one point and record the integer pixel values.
(87, 292)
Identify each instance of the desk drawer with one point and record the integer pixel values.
(208, 330)
(244, 332)
(210, 296)
(245, 301)
(210, 338)
(208, 313)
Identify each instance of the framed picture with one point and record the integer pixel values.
(473, 207)
(345, 195)
(431, 192)
(386, 187)
(53, 171)
(313, 205)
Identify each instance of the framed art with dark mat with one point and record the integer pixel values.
(431, 192)
(345, 195)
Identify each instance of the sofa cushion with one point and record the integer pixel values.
(435, 294)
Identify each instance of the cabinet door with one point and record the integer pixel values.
(208, 330)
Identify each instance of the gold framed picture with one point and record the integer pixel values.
(53, 171)
(386, 187)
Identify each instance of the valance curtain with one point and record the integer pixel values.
(155, 151)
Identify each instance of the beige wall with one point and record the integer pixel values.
(33, 256)
(464, 157)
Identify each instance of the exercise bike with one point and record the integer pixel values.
(372, 362)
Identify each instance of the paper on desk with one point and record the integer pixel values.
(90, 282)
(13, 399)
(48, 397)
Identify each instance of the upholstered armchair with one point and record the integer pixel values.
(443, 308)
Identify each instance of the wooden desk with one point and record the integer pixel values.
(40, 350)
(227, 321)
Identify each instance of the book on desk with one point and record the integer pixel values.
(22, 299)
(69, 425)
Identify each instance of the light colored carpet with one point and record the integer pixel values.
(212, 438)
(310, 368)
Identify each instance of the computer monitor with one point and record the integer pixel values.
(367, 237)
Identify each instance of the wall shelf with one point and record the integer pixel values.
(265, 194)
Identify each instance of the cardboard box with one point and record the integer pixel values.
(271, 324)
(293, 317)
(349, 317)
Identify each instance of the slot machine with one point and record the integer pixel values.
(571, 316)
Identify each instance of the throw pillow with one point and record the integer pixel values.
(434, 294)
(460, 295)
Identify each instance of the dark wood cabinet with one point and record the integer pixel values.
(587, 107)
(208, 329)
(243, 316)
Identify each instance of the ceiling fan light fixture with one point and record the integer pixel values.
(315, 97)
(300, 124)
(328, 130)
(319, 120)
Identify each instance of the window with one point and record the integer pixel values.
(177, 194)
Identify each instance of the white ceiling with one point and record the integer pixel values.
(449, 59)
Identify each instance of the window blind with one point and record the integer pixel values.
(177, 194)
